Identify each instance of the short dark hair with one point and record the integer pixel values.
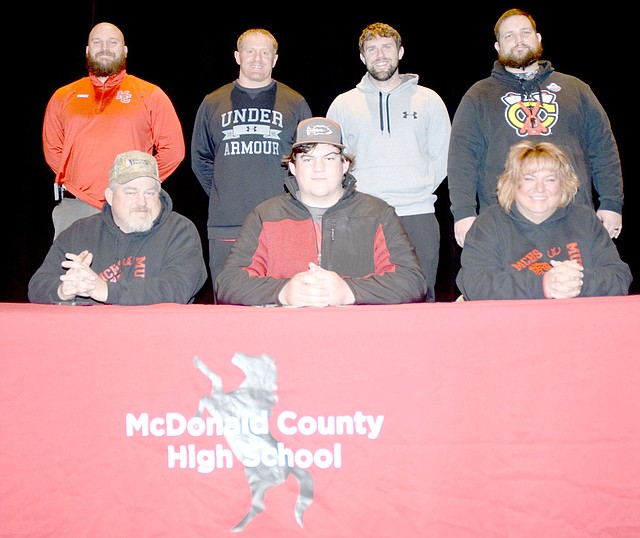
(512, 13)
(378, 29)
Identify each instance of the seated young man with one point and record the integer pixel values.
(322, 243)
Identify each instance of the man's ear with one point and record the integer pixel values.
(108, 195)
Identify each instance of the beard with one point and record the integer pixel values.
(530, 57)
(140, 220)
(101, 69)
(382, 76)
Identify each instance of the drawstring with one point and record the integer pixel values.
(527, 90)
(381, 107)
(388, 122)
(539, 89)
(523, 90)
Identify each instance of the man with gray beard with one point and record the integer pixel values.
(136, 251)
(90, 121)
(526, 99)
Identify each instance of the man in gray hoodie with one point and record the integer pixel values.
(400, 133)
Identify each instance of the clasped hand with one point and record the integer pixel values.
(316, 287)
(563, 280)
(80, 279)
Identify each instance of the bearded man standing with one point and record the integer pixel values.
(526, 99)
(399, 131)
(90, 121)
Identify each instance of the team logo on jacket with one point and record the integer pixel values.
(124, 96)
(535, 115)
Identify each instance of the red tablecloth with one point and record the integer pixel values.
(479, 419)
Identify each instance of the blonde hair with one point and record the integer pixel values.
(259, 31)
(528, 157)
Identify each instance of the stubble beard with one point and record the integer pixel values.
(140, 220)
(383, 76)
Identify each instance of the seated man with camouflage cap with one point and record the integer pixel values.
(136, 251)
(322, 243)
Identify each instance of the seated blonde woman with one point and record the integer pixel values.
(535, 243)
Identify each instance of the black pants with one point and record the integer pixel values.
(218, 252)
(424, 232)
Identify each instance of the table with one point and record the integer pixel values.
(474, 419)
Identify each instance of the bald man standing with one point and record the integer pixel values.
(90, 121)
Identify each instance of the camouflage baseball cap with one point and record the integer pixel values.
(318, 131)
(133, 164)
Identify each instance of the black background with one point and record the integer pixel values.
(187, 49)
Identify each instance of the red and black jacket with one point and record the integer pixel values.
(363, 240)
